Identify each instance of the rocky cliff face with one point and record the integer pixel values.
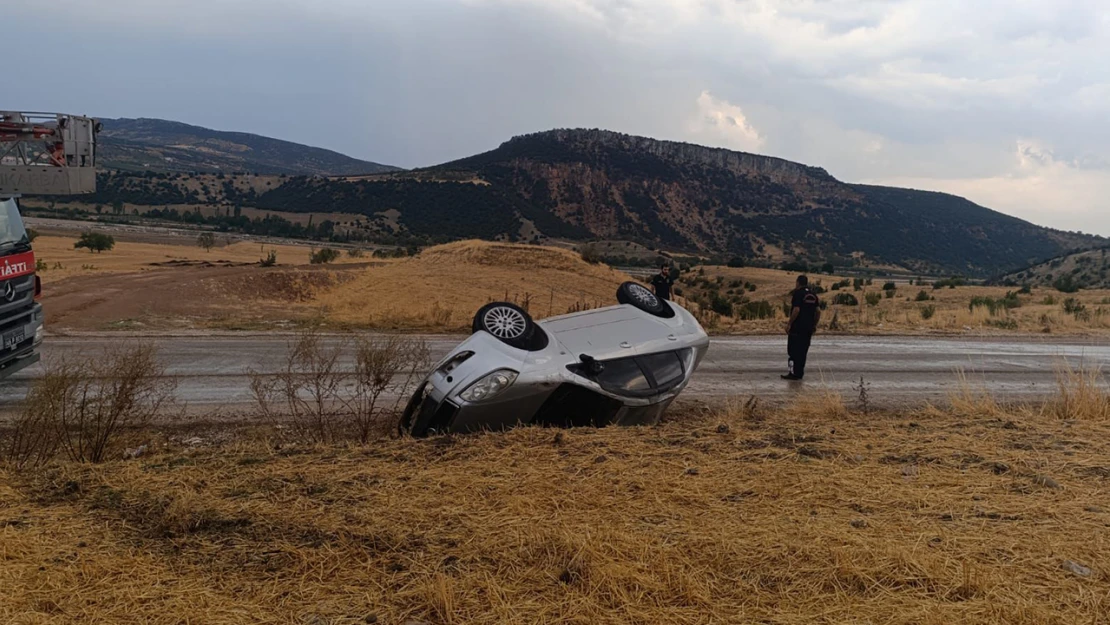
(740, 163)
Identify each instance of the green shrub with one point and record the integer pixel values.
(750, 311)
(922, 296)
(270, 260)
(720, 304)
(1025, 290)
(928, 311)
(950, 283)
(873, 298)
(890, 286)
(845, 299)
(1066, 284)
(1073, 306)
(323, 256)
(1049, 300)
(1003, 324)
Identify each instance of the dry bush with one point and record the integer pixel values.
(83, 406)
(383, 364)
(1080, 394)
(824, 403)
(325, 401)
(969, 399)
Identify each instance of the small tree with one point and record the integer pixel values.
(270, 260)
(95, 242)
(207, 240)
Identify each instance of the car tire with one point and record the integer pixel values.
(507, 323)
(638, 295)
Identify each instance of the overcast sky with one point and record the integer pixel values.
(1006, 102)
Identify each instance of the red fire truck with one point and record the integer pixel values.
(40, 154)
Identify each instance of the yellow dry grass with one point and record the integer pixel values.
(443, 286)
(128, 257)
(901, 314)
(789, 517)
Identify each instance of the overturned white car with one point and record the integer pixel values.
(618, 365)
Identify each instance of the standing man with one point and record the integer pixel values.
(663, 282)
(805, 312)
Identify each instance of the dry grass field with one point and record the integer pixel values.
(63, 261)
(440, 289)
(961, 310)
(812, 513)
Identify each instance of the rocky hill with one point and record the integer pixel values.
(1082, 270)
(166, 146)
(721, 201)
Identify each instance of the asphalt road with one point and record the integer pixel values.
(213, 372)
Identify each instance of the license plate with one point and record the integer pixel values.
(13, 339)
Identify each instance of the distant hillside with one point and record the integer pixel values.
(1082, 270)
(167, 146)
(592, 185)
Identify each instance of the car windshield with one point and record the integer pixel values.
(12, 232)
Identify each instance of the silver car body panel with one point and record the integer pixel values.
(605, 334)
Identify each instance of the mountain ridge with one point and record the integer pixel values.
(599, 185)
(151, 144)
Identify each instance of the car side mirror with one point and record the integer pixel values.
(594, 366)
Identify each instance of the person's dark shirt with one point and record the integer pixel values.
(662, 285)
(805, 300)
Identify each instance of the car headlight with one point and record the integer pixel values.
(489, 386)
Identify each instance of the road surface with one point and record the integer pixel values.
(213, 372)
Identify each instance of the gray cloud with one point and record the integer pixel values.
(1005, 102)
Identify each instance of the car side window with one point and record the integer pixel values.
(623, 375)
(666, 368)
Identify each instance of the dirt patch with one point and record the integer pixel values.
(187, 296)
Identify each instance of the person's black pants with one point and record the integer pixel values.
(797, 348)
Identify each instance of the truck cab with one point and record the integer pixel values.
(40, 154)
(21, 318)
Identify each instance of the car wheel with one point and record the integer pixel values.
(641, 297)
(507, 322)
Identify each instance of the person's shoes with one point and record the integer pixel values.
(789, 376)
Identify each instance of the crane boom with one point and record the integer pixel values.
(47, 153)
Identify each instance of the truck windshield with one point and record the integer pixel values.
(12, 232)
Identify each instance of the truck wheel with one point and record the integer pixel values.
(641, 297)
(508, 323)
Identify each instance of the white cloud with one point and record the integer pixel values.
(1038, 186)
(721, 123)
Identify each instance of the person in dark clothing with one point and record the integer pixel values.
(663, 282)
(805, 313)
